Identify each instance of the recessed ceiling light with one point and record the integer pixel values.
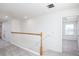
(25, 17)
(6, 16)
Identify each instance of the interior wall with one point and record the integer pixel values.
(51, 26)
(6, 30)
(15, 25)
(0, 30)
(24, 41)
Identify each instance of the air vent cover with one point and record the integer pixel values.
(50, 6)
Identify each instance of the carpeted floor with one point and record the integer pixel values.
(8, 49)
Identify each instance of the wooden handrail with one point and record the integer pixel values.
(41, 45)
(25, 33)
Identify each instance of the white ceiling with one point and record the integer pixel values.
(20, 10)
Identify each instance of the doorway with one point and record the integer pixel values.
(0, 30)
(70, 35)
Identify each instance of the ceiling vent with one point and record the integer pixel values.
(50, 6)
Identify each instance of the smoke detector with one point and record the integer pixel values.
(50, 6)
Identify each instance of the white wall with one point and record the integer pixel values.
(15, 25)
(50, 25)
(6, 29)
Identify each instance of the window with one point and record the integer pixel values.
(69, 29)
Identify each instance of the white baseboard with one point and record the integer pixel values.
(55, 50)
